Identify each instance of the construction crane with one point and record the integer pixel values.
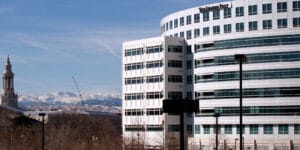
(77, 87)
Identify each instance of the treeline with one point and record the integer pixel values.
(64, 131)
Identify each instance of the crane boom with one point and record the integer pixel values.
(77, 87)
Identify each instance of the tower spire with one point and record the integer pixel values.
(8, 96)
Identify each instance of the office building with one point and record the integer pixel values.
(193, 58)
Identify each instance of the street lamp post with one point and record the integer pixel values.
(235, 143)
(217, 127)
(241, 58)
(43, 129)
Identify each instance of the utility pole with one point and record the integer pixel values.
(43, 129)
(217, 129)
(241, 58)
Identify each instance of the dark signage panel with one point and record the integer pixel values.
(181, 105)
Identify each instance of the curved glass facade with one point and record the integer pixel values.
(251, 58)
(249, 93)
(249, 75)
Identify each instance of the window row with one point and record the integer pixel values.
(134, 66)
(141, 112)
(227, 13)
(149, 64)
(249, 42)
(250, 93)
(175, 78)
(153, 79)
(175, 64)
(134, 52)
(134, 96)
(175, 95)
(251, 110)
(140, 51)
(150, 127)
(135, 80)
(251, 129)
(239, 27)
(175, 48)
(251, 58)
(140, 80)
(154, 49)
(249, 75)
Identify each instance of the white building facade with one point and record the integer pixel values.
(196, 61)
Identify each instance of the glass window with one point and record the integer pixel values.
(252, 9)
(239, 27)
(188, 34)
(206, 129)
(188, 49)
(216, 14)
(282, 23)
(206, 31)
(216, 29)
(189, 64)
(227, 13)
(171, 24)
(181, 21)
(296, 22)
(153, 79)
(154, 64)
(154, 49)
(196, 33)
(228, 129)
(167, 26)
(181, 34)
(154, 95)
(227, 28)
(296, 5)
(197, 129)
(175, 23)
(267, 8)
(189, 79)
(252, 25)
(175, 95)
(239, 11)
(176, 35)
(297, 129)
(254, 129)
(281, 7)
(175, 63)
(188, 20)
(175, 48)
(268, 129)
(206, 16)
(283, 129)
(196, 18)
(267, 24)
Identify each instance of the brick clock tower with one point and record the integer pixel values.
(8, 96)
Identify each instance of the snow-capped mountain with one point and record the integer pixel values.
(65, 101)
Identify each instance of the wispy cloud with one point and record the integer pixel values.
(72, 43)
(6, 9)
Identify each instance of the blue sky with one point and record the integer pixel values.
(49, 41)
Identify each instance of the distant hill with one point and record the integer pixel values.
(65, 101)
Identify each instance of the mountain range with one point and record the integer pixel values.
(67, 101)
